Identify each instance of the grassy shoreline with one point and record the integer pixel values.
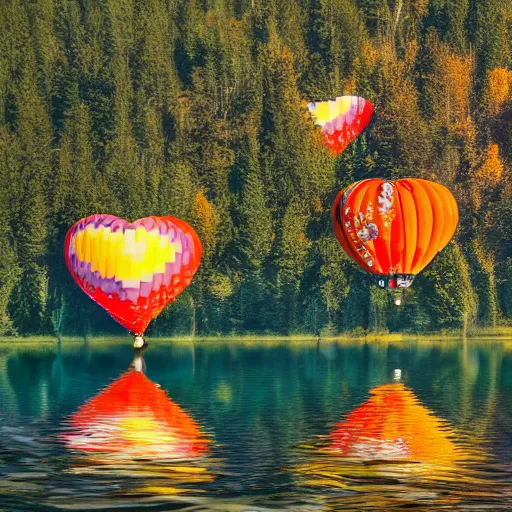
(480, 333)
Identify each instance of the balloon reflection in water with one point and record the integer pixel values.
(132, 426)
(392, 424)
(392, 449)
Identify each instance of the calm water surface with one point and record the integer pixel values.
(256, 426)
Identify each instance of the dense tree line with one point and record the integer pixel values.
(197, 108)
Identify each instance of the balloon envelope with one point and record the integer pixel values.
(342, 120)
(394, 228)
(132, 269)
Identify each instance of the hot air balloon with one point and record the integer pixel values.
(133, 417)
(132, 269)
(342, 120)
(394, 228)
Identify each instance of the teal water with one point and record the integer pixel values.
(232, 426)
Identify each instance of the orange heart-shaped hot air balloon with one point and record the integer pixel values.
(132, 269)
(394, 228)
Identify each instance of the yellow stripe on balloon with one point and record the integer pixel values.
(116, 242)
(322, 112)
(103, 235)
(108, 241)
(343, 105)
(149, 264)
(163, 244)
(326, 111)
(86, 244)
(131, 256)
(76, 242)
(139, 252)
(89, 246)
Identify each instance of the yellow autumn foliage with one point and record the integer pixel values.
(205, 223)
(450, 86)
(497, 91)
(492, 167)
(457, 73)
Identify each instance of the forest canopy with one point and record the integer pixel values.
(198, 109)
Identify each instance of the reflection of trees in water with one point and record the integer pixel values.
(479, 370)
(7, 394)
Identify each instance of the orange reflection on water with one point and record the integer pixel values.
(390, 452)
(135, 417)
(392, 424)
(133, 429)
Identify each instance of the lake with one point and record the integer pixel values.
(255, 426)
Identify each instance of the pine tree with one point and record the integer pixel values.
(42, 19)
(256, 222)
(334, 285)
(123, 169)
(446, 292)
(318, 39)
(205, 221)
(28, 303)
(9, 267)
(450, 19)
(29, 218)
(177, 191)
(483, 279)
(256, 234)
(292, 251)
(210, 153)
(491, 36)
(293, 160)
(78, 190)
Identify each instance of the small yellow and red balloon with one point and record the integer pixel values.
(342, 120)
(133, 270)
(394, 228)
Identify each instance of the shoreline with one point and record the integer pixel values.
(498, 333)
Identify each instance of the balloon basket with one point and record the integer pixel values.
(395, 282)
(139, 342)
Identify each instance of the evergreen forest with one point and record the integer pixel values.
(198, 109)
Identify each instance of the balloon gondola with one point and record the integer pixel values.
(133, 270)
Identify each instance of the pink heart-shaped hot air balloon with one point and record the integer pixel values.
(132, 269)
